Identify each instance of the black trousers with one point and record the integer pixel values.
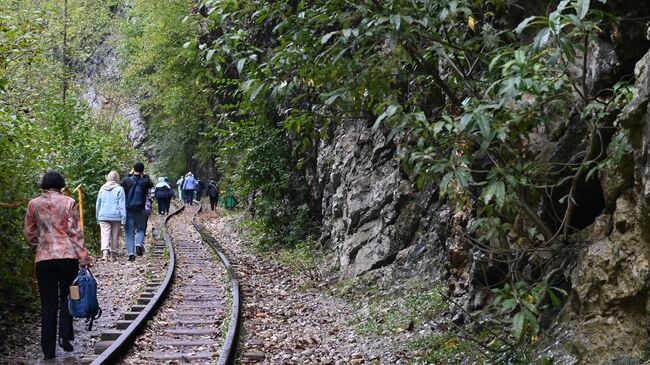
(54, 278)
(214, 202)
(189, 196)
(163, 205)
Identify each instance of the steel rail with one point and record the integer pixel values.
(229, 350)
(123, 343)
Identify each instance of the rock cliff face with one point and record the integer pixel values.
(374, 218)
(611, 276)
(372, 214)
(103, 91)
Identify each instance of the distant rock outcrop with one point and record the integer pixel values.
(103, 91)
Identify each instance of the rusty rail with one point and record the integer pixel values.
(124, 342)
(229, 350)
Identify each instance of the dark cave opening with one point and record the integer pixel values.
(589, 199)
(590, 203)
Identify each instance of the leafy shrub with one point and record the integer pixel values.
(43, 127)
(522, 305)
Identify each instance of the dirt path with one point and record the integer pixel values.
(286, 323)
(119, 281)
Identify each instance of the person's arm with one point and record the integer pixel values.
(98, 205)
(147, 183)
(76, 235)
(31, 228)
(121, 202)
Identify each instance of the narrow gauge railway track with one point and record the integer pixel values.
(185, 309)
(229, 349)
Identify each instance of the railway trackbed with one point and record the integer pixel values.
(189, 308)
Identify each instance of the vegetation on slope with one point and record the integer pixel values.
(44, 123)
(465, 86)
(249, 89)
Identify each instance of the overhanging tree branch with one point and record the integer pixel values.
(431, 70)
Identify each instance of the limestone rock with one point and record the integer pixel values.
(603, 66)
(103, 94)
(371, 212)
(635, 113)
(610, 292)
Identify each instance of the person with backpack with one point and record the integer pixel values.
(148, 207)
(189, 185)
(110, 211)
(172, 195)
(213, 194)
(136, 185)
(163, 194)
(200, 186)
(53, 231)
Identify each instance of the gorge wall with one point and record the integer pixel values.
(104, 92)
(374, 217)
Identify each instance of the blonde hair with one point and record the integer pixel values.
(113, 176)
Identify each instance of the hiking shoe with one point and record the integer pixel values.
(131, 258)
(138, 250)
(105, 255)
(65, 345)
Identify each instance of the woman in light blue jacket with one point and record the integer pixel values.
(110, 212)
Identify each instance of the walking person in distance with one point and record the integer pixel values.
(110, 211)
(200, 186)
(53, 231)
(163, 194)
(213, 194)
(189, 185)
(171, 195)
(148, 207)
(179, 184)
(136, 185)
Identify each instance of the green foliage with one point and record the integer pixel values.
(281, 224)
(300, 259)
(165, 78)
(440, 349)
(327, 61)
(41, 129)
(522, 305)
(199, 119)
(398, 311)
(253, 87)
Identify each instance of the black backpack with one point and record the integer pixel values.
(136, 199)
(213, 191)
(163, 192)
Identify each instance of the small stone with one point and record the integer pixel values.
(255, 355)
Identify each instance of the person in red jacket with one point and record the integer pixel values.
(53, 231)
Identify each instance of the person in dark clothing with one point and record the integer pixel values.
(172, 195)
(163, 194)
(136, 185)
(200, 186)
(213, 194)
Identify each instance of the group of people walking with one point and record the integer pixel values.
(53, 230)
(189, 188)
(124, 203)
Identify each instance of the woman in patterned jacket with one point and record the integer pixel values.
(52, 230)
